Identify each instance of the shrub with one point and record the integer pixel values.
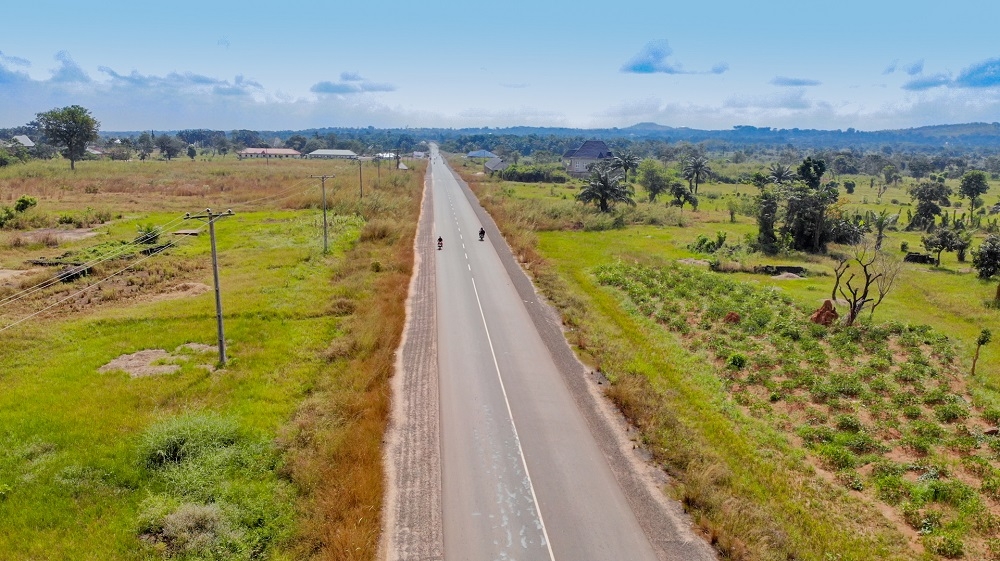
(737, 361)
(186, 436)
(992, 415)
(950, 412)
(912, 412)
(851, 479)
(814, 435)
(891, 488)
(849, 423)
(837, 457)
(991, 487)
(926, 429)
(24, 202)
(946, 545)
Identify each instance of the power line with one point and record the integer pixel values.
(88, 287)
(116, 252)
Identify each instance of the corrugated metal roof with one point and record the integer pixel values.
(274, 151)
(328, 152)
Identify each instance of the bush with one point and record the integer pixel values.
(849, 423)
(946, 545)
(837, 457)
(184, 437)
(992, 415)
(891, 488)
(737, 361)
(950, 412)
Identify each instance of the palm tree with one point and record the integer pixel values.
(881, 221)
(780, 174)
(625, 160)
(604, 189)
(696, 169)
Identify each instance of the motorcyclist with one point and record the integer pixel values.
(440, 242)
(482, 233)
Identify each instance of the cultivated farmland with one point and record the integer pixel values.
(785, 439)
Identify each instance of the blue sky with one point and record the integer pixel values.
(706, 64)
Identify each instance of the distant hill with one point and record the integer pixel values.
(936, 137)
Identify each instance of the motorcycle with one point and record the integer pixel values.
(482, 235)
(440, 243)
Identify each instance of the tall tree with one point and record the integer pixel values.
(986, 260)
(929, 196)
(780, 174)
(626, 160)
(881, 222)
(653, 177)
(604, 189)
(940, 240)
(696, 170)
(145, 145)
(767, 216)
(72, 127)
(170, 146)
(974, 185)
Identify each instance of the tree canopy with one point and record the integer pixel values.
(605, 189)
(73, 127)
(974, 185)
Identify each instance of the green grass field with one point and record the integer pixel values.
(274, 456)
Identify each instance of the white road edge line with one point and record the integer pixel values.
(513, 426)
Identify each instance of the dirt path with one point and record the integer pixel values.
(412, 528)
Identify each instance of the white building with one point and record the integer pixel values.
(332, 154)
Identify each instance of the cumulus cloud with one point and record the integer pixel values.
(68, 71)
(891, 68)
(928, 82)
(915, 68)
(14, 60)
(985, 74)
(794, 82)
(981, 75)
(789, 100)
(653, 59)
(350, 83)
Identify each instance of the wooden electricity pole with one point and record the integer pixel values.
(326, 244)
(211, 218)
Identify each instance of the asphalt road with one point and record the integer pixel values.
(522, 476)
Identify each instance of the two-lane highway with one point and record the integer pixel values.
(522, 476)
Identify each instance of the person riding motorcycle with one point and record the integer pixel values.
(440, 242)
(482, 233)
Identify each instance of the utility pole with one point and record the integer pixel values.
(361, 186)
(323, 178)
(211, 218)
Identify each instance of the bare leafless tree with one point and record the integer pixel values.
(890, 267)
(843, 262)
(873, 269)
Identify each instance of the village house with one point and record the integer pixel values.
(495, 165)
(590, 152)
(268, 153)
(332, 154)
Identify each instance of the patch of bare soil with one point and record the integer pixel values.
(142, 363)
(183, 290)
(698, 262)
(154, 362)
(10, 274)
(62, 234)
(787, 276)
